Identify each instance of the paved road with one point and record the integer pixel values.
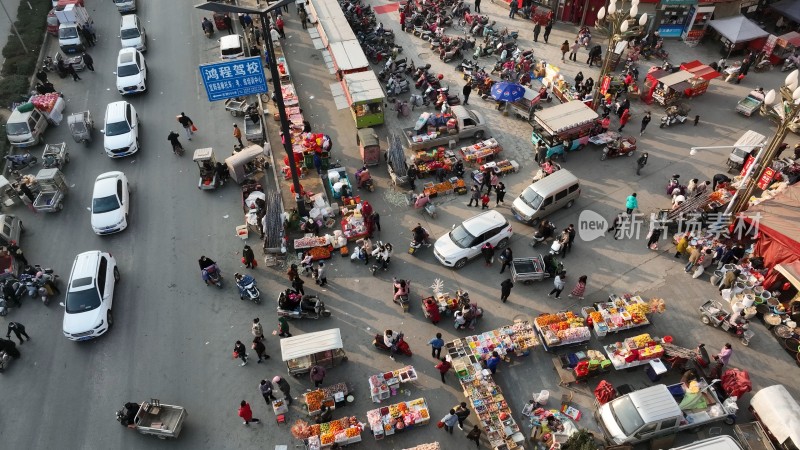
(173, 336)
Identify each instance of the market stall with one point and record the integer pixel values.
(446, 187)
(619, 313)
(501, 168)
(344, 431)
(702, 75)
(318, 246)
(562, 329)
(551, 427)
(354, 225)
(388, 420)
(365, 97)
(634, 351)
(574, 367)
(667, 87)
(566, 92)
(738, 33)
(331, 397)
(384, 385)
(321, 348)
(481, 152)
(429, 161)
(778, 48)
(431, 446)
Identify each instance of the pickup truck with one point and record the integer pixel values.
(70, 39)
(467, 124)
(660, 410)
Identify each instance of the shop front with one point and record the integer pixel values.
(365, 97)
(672, 17)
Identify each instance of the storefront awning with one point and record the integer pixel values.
(700, 70)
(674, 79)
(791, 271)
(738, 29)
(788, 8)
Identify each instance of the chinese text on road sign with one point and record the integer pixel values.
(236, 78)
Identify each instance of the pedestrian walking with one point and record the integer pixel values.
(541, 152)
(89, 26)
(645, 121)
(257, 329)
(297, 285)
(579, 289)
(239, 351)
(683, 244)
(187, 125)
(283, 327)
(13, 248)
(226, 19)
(87, 59)
(246, 413)
(41, 75)
(536, 30)
(449, 421)
(19, 331)
(573, 51)
(558, 284)
(248, 257)
(475, 435)
(462, 412)
(284, 387)
(500, 192)
(466, 91)
(488, 253)
(87, 36)
(260, 349)
(570, 239)
(485, 201)
(279, 26)
(265, 387)
(322, 277)
(724, 355)
(631, 203)
(477, 6)
(443, 367)
(546, 36)
(513, 7)
(304, 18)
(506, 257)
(475, 195)
(71, 71)
(273, 34)
(317, 375)
(652, 239)
(505, 289)
(237, 133)
(492, 362)
(436, 345)
(626, 115)
(486, 180)
(412, 175)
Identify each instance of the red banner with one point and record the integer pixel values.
(747, 163)
(766, 178)
(605, 84)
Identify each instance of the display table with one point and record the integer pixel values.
(430, 160)
(388, 420)
(552, 427)
(331, 397)
(344, 431)
(385, 385)
(446, 187)
(562, 329)
(516, 339)
(634, 351)
(353, 225)
(481, 151)
(618, 314)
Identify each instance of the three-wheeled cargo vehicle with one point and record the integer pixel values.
(206, 163)
(53, 189)
(368, 146)
(245, 163)
(323, 348)
(746, 144)
(81, 126)
(154, 418)
(253, 131)
(55, 155)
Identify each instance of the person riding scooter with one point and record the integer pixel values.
(390, 340)
(290, 300)
(242, 281)
(206, 265)
(362, 177)
(420, 234)
(545, 231)
(401, 289)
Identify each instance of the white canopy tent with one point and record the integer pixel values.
(738, 29)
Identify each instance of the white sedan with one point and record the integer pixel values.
(131, 72)
(110, 203)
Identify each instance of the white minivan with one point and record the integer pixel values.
(132, 33)
(546, 196)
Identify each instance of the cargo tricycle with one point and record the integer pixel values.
(154, 418)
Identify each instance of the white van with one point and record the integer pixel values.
(715, 443)
(231, 46)
(132, 33)
(779, 414)
(544, 197)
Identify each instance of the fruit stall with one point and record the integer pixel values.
(561, 330)
(480, 152)
(431, 446)
(388, 420)
(333, 397)
(385, 385)
(430, 160)
(446, 187)
(319, 246)
(344, 431)
(501, 168)
(634, 351)
(620, 313)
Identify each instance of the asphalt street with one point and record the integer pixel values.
(173, 336)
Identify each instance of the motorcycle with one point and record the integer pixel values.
(42, 284)
(466, 66)
(214, 275)
(763, 66)
(470, 317)
(402, 299)
(247, 288)
(417, 244)
(674, 116)
(401, 345)
(397, 85)
(546, 230)
(19, 162)
(790, 63)
(311, 307)
(619, 147)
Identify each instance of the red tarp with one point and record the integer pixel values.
(736, 382)
(791, 37)
(778, 221)
(700, 70)
(604, 392)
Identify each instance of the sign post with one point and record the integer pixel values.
(235, 78)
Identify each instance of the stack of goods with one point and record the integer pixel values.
(431, 446)
(490, 406)
(289, 95)
(273, 231)
(515, 339)
(433, 125)
(428, 161)
(353, 224)
(562, 329)
(387, 420)
(501, 167)
(634, 351)
(619, 313)
(283, 69)
(385, 385)
(326, 396)
(318, 246)
(481, 150)
(344, 431)
(314, 142)
(446, 187)
(45, 102)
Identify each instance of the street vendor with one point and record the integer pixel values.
(432, 310)
(325, 416)
(421, 200)
(131, 409)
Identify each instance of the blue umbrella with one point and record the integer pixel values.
(507, 92)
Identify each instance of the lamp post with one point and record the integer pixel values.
(790, 98)
(276, 83)
(617, 21)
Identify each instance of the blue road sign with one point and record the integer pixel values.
(234, 78)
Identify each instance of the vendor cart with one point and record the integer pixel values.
(712, 313)
(369, 146)
(206, 163)
(603, 139)
(245, 163)
(365, 97)
(219, 21)
(747, 145)
(338, 183)
(55, 155)
(322, 348)
(236, 106)
(53, 189)
(157, 419)
(526, 107)
(81, 126)
(669, 87)
(752, 436)
(534, 268)
(253, 131)
(751, 103)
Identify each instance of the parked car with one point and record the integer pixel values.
(132, 33)
(110, 203)
(90, 296)
(131, 71)
(121, 130)
(464, 242)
